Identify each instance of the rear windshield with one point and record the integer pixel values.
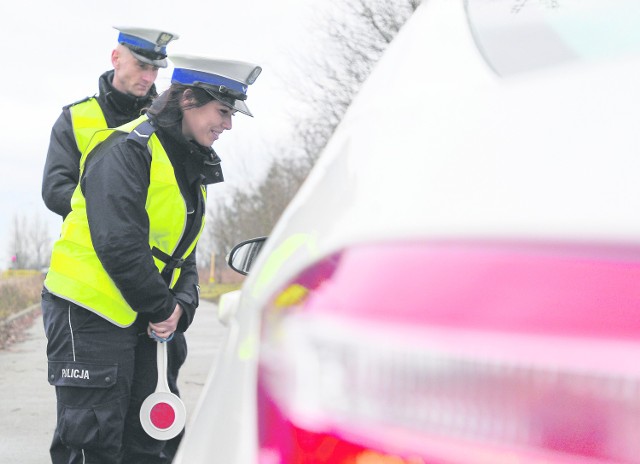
(521, 35)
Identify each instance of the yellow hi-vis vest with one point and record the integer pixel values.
(86, 118)
(76, 274)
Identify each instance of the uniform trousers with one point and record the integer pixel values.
(102, 373)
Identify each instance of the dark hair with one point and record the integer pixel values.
(166, 109)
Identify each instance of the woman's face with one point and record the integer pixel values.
(204, 124)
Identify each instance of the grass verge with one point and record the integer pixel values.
(212, 292)
(19, 289)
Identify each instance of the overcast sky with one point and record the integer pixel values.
(54, 51)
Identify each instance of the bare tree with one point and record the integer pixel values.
(355, 32)
(29, 242)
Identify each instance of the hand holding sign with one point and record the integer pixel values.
(162, 413)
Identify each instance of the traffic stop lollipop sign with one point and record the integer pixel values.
(162, 414)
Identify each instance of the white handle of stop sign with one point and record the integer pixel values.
(162, 413)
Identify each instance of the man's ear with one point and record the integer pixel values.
(115, 56)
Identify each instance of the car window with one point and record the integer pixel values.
(521, 35)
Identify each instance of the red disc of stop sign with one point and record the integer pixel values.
(162, 413)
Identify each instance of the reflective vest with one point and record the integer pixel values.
(75, 272)
(86, 118)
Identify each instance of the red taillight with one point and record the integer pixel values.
(296, 445)
(455, 353)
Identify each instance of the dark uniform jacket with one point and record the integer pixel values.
(61, 170)
(115, 183)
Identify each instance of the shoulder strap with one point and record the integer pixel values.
(142, 132)
(79, 101)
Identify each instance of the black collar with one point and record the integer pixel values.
(123, 103)
(200, 163)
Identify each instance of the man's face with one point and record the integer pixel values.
(132, 76)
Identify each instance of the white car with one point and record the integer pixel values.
(458, 280)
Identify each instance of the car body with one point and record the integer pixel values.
(457, 281)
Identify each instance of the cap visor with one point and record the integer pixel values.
(238, 105)
(159, 63)
(242, 107)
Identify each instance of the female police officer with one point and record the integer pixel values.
(124, 266)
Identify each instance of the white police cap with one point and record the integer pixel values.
(225, 80)
(147, 45)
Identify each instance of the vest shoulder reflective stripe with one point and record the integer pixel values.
(75, 272)
(86, 117)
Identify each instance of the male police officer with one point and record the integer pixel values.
(123, 92)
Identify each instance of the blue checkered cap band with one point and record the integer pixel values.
(142, 44)
(147, 45)
(224, 80)
(237, 75)
(191, 77)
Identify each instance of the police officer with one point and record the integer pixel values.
(123, 272)
(123, 92)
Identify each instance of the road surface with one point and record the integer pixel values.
(27, 401)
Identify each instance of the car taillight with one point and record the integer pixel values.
(430, 353)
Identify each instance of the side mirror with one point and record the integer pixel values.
(242, 256)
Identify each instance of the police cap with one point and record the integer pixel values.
(225, 80)
(147, 45)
